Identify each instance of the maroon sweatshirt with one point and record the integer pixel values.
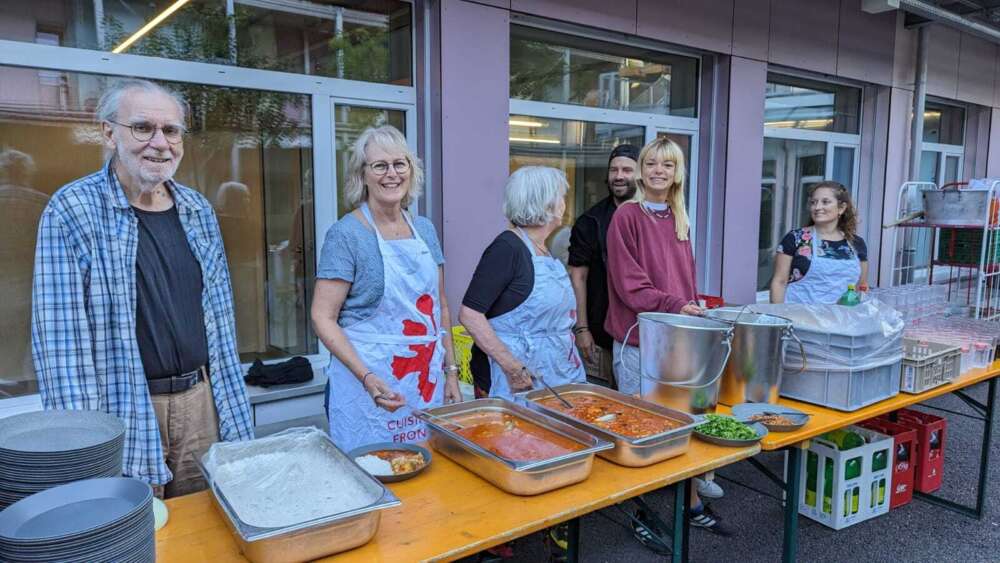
(649, 270)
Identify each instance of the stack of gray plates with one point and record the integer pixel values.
(40, 450)
(108, 519)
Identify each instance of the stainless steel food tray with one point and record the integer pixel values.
(315, 538)
(627, 451)
(515, 477)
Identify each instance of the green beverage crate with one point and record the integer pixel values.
(965, 246)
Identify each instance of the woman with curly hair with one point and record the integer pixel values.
(816, 263)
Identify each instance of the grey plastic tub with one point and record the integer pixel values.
(845, 390)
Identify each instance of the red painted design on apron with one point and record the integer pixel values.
(419, 363)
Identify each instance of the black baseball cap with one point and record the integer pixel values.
(626, 150)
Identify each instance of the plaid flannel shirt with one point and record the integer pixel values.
(84, 315)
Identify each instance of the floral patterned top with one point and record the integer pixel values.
(798, 244)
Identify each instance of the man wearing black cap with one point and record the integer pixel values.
(588, 253)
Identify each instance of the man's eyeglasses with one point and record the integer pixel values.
(144, 132)
(381, 167)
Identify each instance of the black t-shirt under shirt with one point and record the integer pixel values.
(503, 280)
(588, 246)
(170, 321)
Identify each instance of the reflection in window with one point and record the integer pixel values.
(573, 70)
(249, 153)
(944, 124)
(798, 103)
(790, 168)
(350, 122)
(578, 148)
(367, 40)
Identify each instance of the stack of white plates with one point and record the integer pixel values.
(109, 519)
(40, 450)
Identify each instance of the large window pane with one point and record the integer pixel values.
(798, 103)
(566, 69)
(578, 148)
(350, 122)
(249, 153)
(790, 168)
(929, 166)
(366, 40)
(944, 124)
(843, 166)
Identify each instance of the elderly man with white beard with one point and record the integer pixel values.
(132, 310)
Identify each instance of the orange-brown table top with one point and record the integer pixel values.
(824, 420)
(448, 512)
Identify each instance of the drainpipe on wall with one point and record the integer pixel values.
(919, 97)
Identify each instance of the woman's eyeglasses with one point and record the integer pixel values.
(381, 167)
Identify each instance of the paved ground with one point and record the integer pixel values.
(917, 532)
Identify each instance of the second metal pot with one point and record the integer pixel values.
(753, 373)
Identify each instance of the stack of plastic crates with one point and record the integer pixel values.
(842, 388)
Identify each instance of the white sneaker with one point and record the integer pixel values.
(709, 489)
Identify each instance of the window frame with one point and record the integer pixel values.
(832, 141)
(324, 92)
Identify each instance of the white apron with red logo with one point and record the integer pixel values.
(400, 343)
(539, 331)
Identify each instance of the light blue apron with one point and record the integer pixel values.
(539, 331)
(826, 279)
(400, 343)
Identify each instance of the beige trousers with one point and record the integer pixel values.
(188, 426)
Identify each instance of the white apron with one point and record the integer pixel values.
(826, 279)
(400, 343)
(539, 331)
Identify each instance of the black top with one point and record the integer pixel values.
(588, 246)
(170, 322)
(798, 244)
(503, 280)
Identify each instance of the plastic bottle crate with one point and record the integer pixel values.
(965, 246)
(852, 500)
(931, 434)
(903, 459)
(845, 390)
(942, 365)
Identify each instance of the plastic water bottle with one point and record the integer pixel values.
(850, 297)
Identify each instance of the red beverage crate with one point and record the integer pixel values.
(931, 431)
(712, 301)
(903, 458)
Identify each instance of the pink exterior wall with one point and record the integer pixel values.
(601, 14)
(474, 148)
(897, 162)
(703, 24)
(745, 151)
(804, 34)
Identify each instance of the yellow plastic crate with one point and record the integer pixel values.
(463, 352)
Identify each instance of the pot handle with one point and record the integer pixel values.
(722, 370)
(954, 185)
(790, 333)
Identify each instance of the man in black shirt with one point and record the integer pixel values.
(588, 253)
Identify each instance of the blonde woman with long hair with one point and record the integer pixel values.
(651, 269)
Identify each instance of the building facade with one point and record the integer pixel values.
(766, 97)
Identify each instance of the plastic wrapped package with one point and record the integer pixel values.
(291, 477)
(835, 337)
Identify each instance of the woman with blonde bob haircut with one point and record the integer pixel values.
(520, 307)
(651, 269)
(379, 303)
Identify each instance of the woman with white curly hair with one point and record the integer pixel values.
(520, 307)
(379, 303)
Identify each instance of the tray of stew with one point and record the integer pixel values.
(520, 450)
(643, 433)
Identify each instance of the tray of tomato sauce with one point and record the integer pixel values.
(643, 433)
(520, 450)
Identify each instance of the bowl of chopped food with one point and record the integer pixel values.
(725, 430)
(776, 418)
(392, 462)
